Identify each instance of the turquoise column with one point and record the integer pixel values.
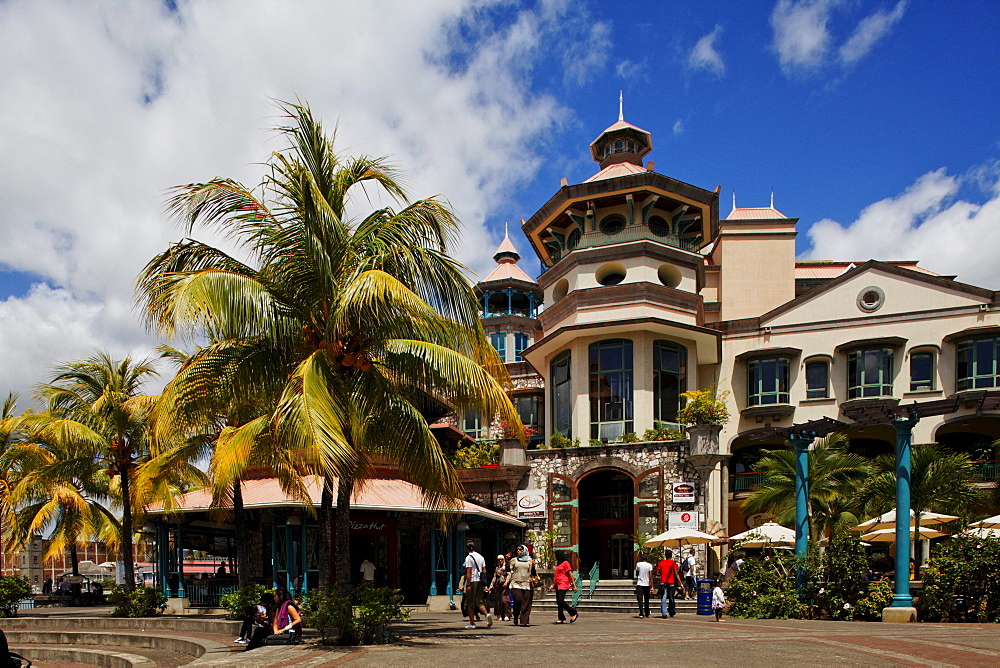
(904, 437)
(434, 585)
(801, 443)
(181, 591)
(163, 558)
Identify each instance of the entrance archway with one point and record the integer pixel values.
(607, 522)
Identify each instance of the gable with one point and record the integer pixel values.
(875, 293)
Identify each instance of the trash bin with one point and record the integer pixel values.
(705, 588)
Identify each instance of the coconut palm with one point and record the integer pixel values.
(97, 417)
(11, 433)
(834, 475)
(940, 482)
(345, 326)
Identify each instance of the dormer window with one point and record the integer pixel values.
(619, 145)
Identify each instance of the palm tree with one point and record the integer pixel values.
(834, 475)
(343, 326)
(97, 417)
(940, 482)
(11, 433)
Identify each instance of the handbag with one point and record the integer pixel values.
(535, 581)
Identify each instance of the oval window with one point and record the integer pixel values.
(612, 225)
(669, 275)
(612, 273)
(659, 226)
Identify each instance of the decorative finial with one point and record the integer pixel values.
(772, 198)
(621, 115)
(734, 200)
(507, 236)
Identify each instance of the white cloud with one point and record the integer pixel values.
(801, 37)
(106, 105)
(678, 128)
(927, 223)
(869, 32)
(704, 55)
(627, 69)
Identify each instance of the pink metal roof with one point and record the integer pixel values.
(831, 269)
(378, 494)
(506, 247)
(756, 213)
(616, 170)
(508, 270)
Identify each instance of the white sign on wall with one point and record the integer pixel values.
(530, 504)
(687, 519)
(683, 492)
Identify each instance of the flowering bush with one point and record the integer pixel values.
(764, 588)
(961, 583)
(704, 407)
(839, 587)
(480, 453)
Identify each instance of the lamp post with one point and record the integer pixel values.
(901, 609)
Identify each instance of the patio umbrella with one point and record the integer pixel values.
(889, 535)
(769, 534)
(988, 523)
(888, 521)
(984, 532)
(680, 536)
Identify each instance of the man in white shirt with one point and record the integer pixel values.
(367, 571)
(690, 575)
(475, 564)
(643, 570)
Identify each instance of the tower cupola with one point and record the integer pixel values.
(621, 142)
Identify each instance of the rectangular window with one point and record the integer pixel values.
(976, 364)
(562, 406)
(472, 424)
(921, 371)
(499, 341)
(610, 389)
(520, 343)
(869, 373)
(818, 380)
(767, 382)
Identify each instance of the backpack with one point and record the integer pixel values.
(687, 567)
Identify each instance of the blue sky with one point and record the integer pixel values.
(874, 122)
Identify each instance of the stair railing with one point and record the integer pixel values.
(594, 574)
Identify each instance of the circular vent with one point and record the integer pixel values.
(871, 299)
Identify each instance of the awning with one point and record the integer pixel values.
(388, 495)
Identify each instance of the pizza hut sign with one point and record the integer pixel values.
(683, 492)
(530, 504)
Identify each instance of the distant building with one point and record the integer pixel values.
(30, 562)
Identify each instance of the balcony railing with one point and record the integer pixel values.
(744, 482)
(986, 470)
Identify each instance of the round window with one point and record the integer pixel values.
(612, 273)
(612, 225)
(659, 226)
(870, 299)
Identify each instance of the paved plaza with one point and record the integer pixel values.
(597, 639)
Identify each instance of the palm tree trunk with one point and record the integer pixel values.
(74, 558)
(916, 546)
(242, 530)
(345, 485)
(325, 534)
(125, 538)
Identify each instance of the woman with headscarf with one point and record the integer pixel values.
(519, 582)
(498, 587)
(563, 582)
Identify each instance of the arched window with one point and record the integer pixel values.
(611, 389)
(818, 379)
(922, 370)
(562, 400)
(619, 146)
(630, 146)
(669, 379)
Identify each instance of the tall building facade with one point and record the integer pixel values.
(646, 292)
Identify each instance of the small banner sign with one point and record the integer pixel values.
(530, 504)
(683, 492)
(686, 519)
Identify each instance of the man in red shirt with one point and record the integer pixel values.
(668, 575)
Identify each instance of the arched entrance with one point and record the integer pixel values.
(607, 522)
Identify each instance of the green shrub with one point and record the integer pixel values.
(236, 604)
(480, 453)
(839, 587)
(704, 407)
(366, 622)
(961, 583)
(557, 440)
(662, 432)
(765, 589)
(13, 590)
(630, 437)
(594, 442)
(141, 602)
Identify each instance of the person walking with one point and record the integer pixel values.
(643, 573)
(498, 588)
(563, 582)
(519, 582)
(668, 575)
(718, 603)
(689, 571)
(475, 564)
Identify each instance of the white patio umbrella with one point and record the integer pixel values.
(89, 568)
(988, 523)
(984, 532)
(888, 521)
(889, 535)
(769, 534)
(679, 536)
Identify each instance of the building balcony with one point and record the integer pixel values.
(744, 482)
(986, 471)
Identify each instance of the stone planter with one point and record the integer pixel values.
(704, 450)
(512, 453)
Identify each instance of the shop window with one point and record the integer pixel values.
(562, 522)
(521, 342)
(610, 389)
(869, 373)
(649, 518)
(976, 364)
(767, 381)
(561, 491)
(472, 424)
(669, 379)
(649, 486)
(562, 400)
(527, 410)
(921, 371)
(499, 341)
(818, 379)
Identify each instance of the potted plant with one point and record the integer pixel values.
(705, 413)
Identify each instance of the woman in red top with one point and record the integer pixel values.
(564, 581)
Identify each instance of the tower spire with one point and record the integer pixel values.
(621, 114)
(772, 198)
(734, 200)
